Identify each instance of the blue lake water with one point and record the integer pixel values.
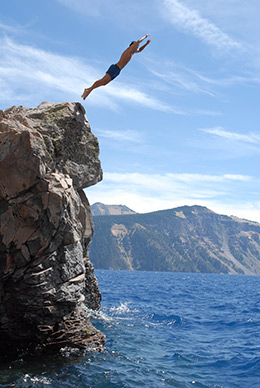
(163, 330)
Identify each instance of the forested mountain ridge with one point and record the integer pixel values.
(184, 239)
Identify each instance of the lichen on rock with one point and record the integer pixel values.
(48, 155)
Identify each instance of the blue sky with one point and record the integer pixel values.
(180, 125)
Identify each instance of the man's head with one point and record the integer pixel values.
(134, 46)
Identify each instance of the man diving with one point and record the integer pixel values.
(115, 69)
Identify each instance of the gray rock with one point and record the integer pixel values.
(48, 155)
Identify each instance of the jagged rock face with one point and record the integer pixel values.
(48, 155)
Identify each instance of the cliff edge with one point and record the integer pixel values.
(48, 155)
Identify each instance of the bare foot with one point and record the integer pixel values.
(86, 93)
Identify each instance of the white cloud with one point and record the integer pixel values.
(182, 81)
(146, 193)
(221, 132)
(151, 192)
(89, 7)
(39, 75)
(247, 78)
(29, 74)
(177, 79)
(195, 186)
(8, 28)
(191, 21)
(239, 17)
(134, 95)
(121, 136)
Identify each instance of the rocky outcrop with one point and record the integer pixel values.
(48, 155)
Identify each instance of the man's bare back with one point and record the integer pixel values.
(114, 70)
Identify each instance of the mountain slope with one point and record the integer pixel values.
(185, 239)
(99, 209)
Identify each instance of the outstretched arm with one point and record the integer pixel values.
(143, 38)
(142, 47)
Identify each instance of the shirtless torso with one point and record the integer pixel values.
(130, 51)
(125, 57)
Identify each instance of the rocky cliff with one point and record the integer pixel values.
(48, 155)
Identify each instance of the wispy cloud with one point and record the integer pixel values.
(221, 132)
(150, 192)
(132, 94)
(8, 28)
(182, 81)
(191, 21)
(247, 78)
(29, 74)
(192, 187)
(26, 70)
(173, 181)
(225, 25)
(89, 7)
(177, 79)
(120, 136)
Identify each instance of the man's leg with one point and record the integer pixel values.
(101, 82)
